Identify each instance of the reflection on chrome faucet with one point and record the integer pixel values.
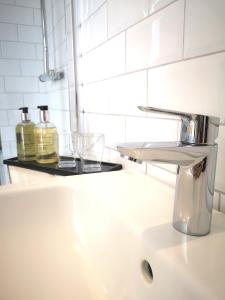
(195, 154)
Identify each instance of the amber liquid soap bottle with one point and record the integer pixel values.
(25, 137)
(46, 139)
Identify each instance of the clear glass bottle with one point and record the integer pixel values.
(46, 139)
(25, 137)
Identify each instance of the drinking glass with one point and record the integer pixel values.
(67, 151)
(90, 147)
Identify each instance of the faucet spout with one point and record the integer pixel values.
(165, 152)
(194, 183)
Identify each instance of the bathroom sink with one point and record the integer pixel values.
(104, 237)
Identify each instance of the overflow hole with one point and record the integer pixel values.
(147, 271)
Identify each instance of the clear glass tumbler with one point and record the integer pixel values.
(90, 147)
(67, 151)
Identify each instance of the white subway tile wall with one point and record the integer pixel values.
(105, 61)
(21, 84)
(21, 62)
(155, 130)
(11, 101)
(28, 3)
(122, 14)
(162, 53)
(171, 86)
(31, 68)
(59, 27)
(7, 1)
(32, 34)
(18, 50)
(9, 67)
(130, 88)
(37, 17)
(3, 118)
(155, 5)
(157, 40)
(8, 32)
(203, 27)
(86, 8)
(16, 15)
(1, 84)
(94, 31)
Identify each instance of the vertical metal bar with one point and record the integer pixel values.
(73, 8)
(45, 39)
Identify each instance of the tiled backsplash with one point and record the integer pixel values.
(21, 62)
(162, 53)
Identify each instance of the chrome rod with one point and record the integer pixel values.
(75, 55)
(48, 75)
(45, 39)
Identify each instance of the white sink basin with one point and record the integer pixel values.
(87, 237)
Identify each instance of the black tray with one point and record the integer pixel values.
(55, 170)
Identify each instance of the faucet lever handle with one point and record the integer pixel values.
(195, 128)
(164, 111)
(175, 113)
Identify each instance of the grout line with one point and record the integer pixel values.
(162, 8)
(21, 42)
(23, 6)
(21, 24)
(128, 116)
(94, 12)
(20, 66)
(54, 25)
(4, 87)
(33, 17)
(23, 97)
(21, 76)
(184, 28)
(17, 34)
(128, 27)
(157, 66)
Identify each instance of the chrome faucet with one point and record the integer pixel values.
(195, 154)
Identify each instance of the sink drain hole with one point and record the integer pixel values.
(147, 271)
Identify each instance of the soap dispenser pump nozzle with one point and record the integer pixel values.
(24, 114)
(43, 113)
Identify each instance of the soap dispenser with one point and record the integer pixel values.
(25, 137)
(46, 138)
